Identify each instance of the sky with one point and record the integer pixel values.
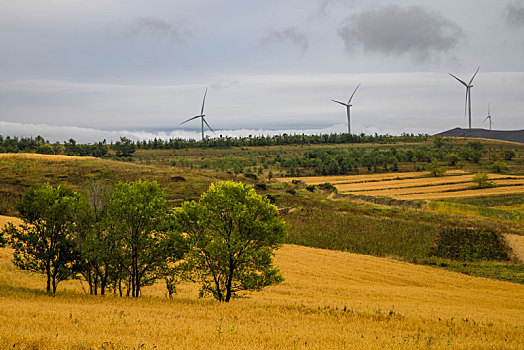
(93, 70)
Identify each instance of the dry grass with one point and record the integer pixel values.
(516, 243)
(467, 193)
(5, 219)
(419, 182)
(329, 300)
(347, 179)
(395, 192)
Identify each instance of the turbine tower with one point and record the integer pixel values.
(348, 107)
(468, 94)
(201, 116)
(488, 117)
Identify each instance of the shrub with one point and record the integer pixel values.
(311, 188)
(328, 187)
(499, 167)
(261, 186)
(468, 244)
(509, 155)
(482, 180)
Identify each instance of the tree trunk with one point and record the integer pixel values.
(54, 284)
(48, 273)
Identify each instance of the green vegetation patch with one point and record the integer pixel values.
(468, 245)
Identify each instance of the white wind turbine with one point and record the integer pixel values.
(348, 107)
(201, 116)
(488, 117)
(468, 93)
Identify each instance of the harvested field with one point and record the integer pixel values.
(467, 193)
(420, 182)
(516, 242)
(329, 300)
(419, 185)
(393, 193)
(347, 179)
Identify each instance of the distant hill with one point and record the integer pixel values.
(504, 135)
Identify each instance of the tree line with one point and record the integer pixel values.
(348, 161)
(125, 146)
(121, 238)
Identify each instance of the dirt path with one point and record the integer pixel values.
(516, 243)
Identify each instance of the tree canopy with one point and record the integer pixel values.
(232, 234)
(44, 243)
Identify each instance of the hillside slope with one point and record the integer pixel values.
(18, 172)
(504, 135)
(328, 300)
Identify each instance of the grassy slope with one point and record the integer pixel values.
(20, 171)
(252, 156)
(329, 300)
(403, 233)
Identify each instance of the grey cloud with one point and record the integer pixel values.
(289, 34)
(395, 30)
(155, 26)
(515, 14)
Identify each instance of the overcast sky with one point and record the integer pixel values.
(91, 70)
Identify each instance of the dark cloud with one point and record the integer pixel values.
(290, 34)
(395, 30)
(155, 26)
(515, 14)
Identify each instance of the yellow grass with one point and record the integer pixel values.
(346, 179)
(329, 300)
(432, 189)
(467, 193)
(5, 219)
(29, 156)
(393, 184)
(516, 243)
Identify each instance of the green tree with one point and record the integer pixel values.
(482, 180)
(509, 155)
(499, 167)
(143, 225)
(232, 233)
(452, 158)
(45, 243)
(94, 239)
(435, 169)
(125, 147)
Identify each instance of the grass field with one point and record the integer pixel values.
(418, 186)
(18, 172)
(328, 300)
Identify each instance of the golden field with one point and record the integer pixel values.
(415, 186)
(346, 179)
(329, 300)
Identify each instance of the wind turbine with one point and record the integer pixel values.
(488, 117)
(201, 116)
(468, 93)
(348, 107)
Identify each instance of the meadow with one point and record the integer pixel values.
(399, 294)
(329, 300)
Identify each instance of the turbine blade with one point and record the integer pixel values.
(353, 93)
(473, 77)
(487, 118)
(342, 103)
(204, 119)
(196, 116)
(458, 79)
(203, 101)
